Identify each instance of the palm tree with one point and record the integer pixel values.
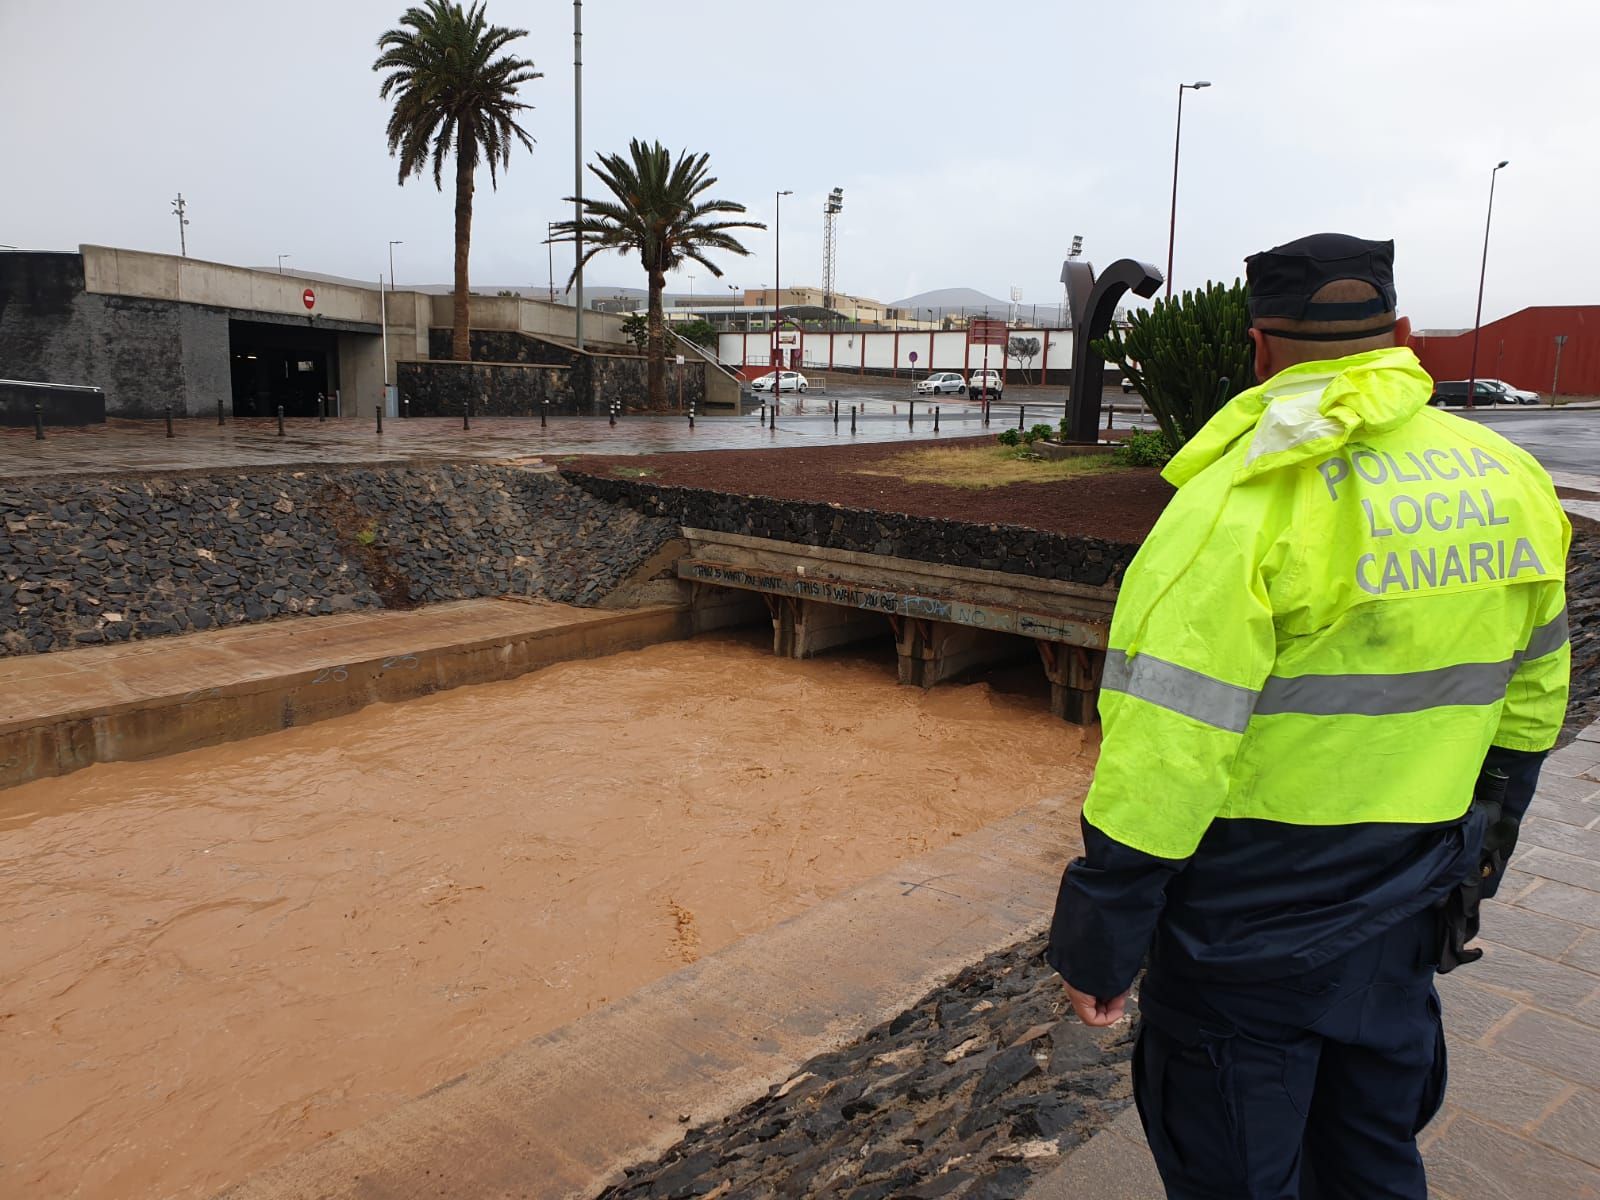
(658, 213)
(452, 94)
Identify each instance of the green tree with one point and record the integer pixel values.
(699, 331)
(1187, 356)
(658, 212)
(637, 330)
(454, 95)
(1023, 350)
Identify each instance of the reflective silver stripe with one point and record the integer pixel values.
(1548, 638)
(1224, 705)
(1386, 695)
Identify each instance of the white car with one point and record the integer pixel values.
(1509, 394)
(788, 381)
(941, 382)
(986, 383)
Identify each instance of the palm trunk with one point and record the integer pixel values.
(656, 349)
(460, 336)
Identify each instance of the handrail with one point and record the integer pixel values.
(709, 356)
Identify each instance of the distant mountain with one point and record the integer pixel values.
(949, 298)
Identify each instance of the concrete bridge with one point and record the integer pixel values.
(945, 619)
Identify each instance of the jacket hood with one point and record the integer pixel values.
(1307, 411)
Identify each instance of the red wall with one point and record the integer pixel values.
(1521, 350)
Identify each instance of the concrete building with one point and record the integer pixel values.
(153, 330)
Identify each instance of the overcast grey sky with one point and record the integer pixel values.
(972, 140)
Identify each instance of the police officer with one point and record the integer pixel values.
(1349, 622)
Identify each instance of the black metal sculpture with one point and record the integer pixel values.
(1092, 322)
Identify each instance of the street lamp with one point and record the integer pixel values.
(281, 257)
(392, 244)
(1477, 320)
(1177, 141)
(777, 272)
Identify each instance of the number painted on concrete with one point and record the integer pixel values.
(335, 674)
(405, 662)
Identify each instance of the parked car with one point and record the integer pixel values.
(1512, 395)
(941, 382)
(1453, 392)
(983, 382)
(788, 381)
(1127, 385)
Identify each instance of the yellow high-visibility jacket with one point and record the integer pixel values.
(1350, 599)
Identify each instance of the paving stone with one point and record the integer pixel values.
(1562, 900)
(1477, 1160)
(1470, 1012)
(1568, 1049)
(1586, 954)
(1566, 868)
(1514, 882)
(1563, 787)
(1529, 978)
(1500, 1089)
(1109, 1167)
(1553, 835)
(1574, 1127)
(1581, 813)
(1537, 931)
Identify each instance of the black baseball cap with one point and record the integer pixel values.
(1281, 281)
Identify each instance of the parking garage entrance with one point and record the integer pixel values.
(287, 365)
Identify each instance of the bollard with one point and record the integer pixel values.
(836, 416)
(936, 408)
(379, 411)
(466, 414)
(1022, 416)
(168, 409)
(1111, 412)
(911, 415)
(691, 414)
(405, 407)
(322, 407)
(280, 420)
(544, 413)
(38, 421)
(220, 421)
(613, 413)
(852, 418)
(763, 414)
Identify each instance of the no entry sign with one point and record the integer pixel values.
(309, 297)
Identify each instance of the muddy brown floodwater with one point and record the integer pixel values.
(217, 958)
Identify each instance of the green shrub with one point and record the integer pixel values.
(1042, 433)
(1144, 448)
(1008, 437)
(1187, 356)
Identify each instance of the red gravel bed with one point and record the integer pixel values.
(1118, 506)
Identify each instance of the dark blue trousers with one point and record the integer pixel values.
(1306, 1089)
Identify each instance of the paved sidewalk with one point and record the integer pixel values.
(1522, 1115)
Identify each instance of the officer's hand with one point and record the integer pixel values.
(1092, 1011)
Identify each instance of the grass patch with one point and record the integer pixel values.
(633, 472)
(985, 466)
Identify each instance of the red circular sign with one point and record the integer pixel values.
(309, 297)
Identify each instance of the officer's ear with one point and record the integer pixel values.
(1402, 331)
(1264, 353)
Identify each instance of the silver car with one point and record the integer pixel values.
(942, 382)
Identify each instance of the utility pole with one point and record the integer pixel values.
(550, 245)
(392, 244)
(777, 283)
(178, 210)
(1483, 270)
(1555, 382)
(1177, 142)
(577, 157)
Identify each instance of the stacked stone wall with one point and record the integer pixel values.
(927, 539)
(86, 561)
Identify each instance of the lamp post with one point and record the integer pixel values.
(577, 164)
(734, 307)
(281, 257)
(550, 247)
(777, 274)
(1483, 269)
(1177, 142)
(392, 244)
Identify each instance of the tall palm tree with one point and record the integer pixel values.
(452, 94)
(658, 214)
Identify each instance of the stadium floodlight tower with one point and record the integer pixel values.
(831, 208)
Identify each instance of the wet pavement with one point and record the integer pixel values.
(128, 447)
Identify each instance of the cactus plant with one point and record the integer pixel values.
(1180, 352)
